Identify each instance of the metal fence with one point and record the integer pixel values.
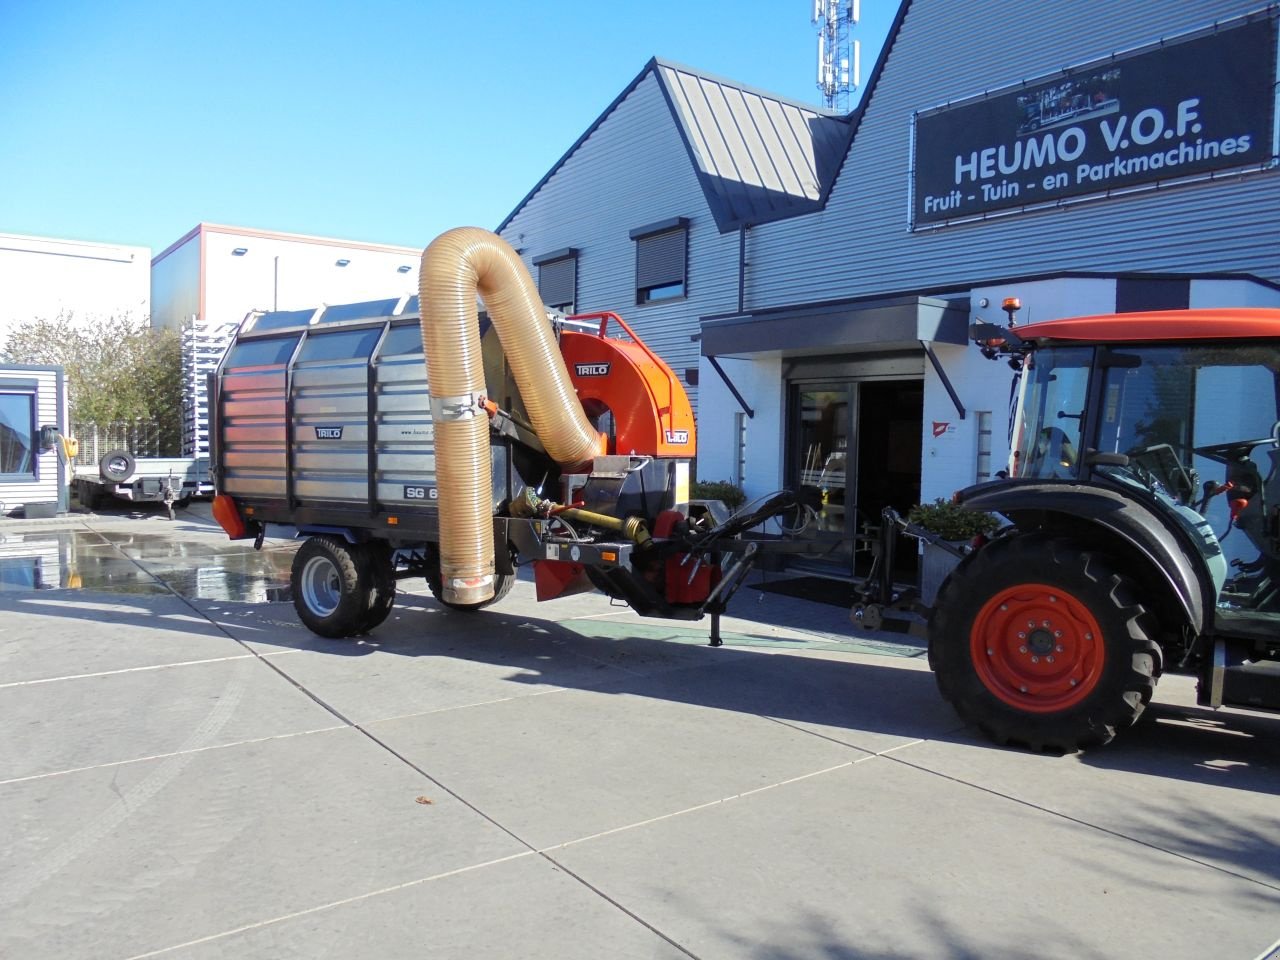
(142, 438)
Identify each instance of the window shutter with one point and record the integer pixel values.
(660, 258)
(557, 281)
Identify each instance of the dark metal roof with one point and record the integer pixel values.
(759, 157)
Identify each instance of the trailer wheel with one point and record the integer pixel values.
(331, 587)
(1038, 641)
(382, 581)
(116, 466)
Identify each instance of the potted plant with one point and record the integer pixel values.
(954, 525)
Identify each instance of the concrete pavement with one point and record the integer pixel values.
(186, 772)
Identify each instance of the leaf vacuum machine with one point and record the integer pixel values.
(440, 443)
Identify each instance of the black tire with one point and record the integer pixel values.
(1081, 666)
(382, 581)
(502, 584)
(116, 466)
(331, 587)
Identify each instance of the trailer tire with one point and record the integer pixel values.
(1038, 641)
(382, 581)
(117, 466)
(331, 586)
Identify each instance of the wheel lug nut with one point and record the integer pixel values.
(1053, 599)
(1058, 648)
(1031, 624)
(1023, 689)
(990, 652)
(1057, 634)
(1072, 681)
(1004, 606)
(1088, 636)
(1022, 636)
(1049, 658)
(1035, 659)
(1022, 649)
(1045, 624)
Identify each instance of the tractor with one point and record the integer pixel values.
(1142, 528)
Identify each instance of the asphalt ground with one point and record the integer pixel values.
(187, 772)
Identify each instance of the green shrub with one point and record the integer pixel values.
(951, 521)
(730, 494)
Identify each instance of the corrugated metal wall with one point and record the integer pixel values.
(860, 245)
(632, 171)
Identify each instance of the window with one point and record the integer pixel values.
(661, 259)
(18, 435)
(983, 419)
(740, 457)
(558, 279)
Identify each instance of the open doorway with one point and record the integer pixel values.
(859, 443)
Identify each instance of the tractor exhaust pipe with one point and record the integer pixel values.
(458, 265)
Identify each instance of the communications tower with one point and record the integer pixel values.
(839, 66)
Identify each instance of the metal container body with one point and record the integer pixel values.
(331, 423)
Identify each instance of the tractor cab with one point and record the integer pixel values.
(1189, 427)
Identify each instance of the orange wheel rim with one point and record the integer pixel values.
(1037, 648)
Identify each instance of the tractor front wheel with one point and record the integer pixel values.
(1039, 641)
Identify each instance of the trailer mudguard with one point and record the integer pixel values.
(1170, 552)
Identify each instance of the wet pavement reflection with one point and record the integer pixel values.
(122, 561)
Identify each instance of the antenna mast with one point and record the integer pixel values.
(839, 66)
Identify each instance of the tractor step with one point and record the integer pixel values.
(1252, 685)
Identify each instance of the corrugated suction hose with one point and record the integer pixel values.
(458, 265)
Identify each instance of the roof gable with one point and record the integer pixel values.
(758, 157)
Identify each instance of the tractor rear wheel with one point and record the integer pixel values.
(1039, 641)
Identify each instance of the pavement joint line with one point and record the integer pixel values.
(332, 905)
(711, 803)
(175, 753)
(1087, 825)
(465, 706)
(142, 669)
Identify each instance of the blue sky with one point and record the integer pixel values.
(130, 122)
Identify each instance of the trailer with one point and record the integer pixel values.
(440, 444)
(173, 481)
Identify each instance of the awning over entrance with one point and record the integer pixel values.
(896, 323)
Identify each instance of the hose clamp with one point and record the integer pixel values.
(463, 407)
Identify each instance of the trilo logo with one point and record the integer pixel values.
(328, 433)
(591, 369)
(677, 436)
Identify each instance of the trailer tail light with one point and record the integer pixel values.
(228, 517)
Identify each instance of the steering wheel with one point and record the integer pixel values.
(1233, 450)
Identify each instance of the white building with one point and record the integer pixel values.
(42, 277)
(210, 279)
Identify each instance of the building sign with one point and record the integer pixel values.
(1177, 110)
